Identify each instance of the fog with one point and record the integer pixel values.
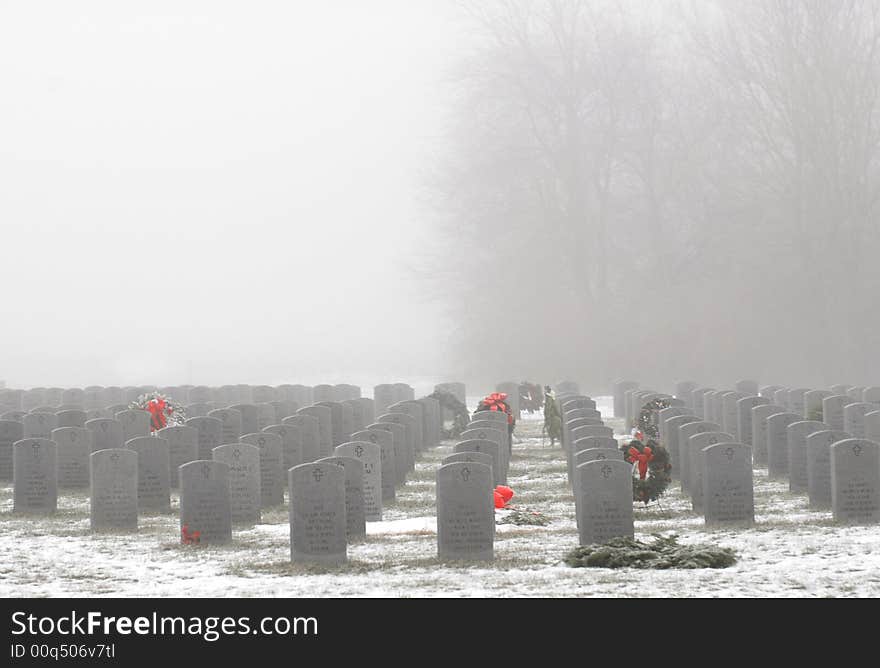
(219, 192)
(212, 191)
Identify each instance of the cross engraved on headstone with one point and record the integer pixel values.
(465, 474)
(317, 475)
(729, 454)
(359, 451)
(36, 449)
(261, 440)
(857, 449)
(236, 453)
(606, 471)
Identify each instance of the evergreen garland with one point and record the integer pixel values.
(460, 418)
(663, 553)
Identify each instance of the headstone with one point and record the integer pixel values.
(243, 461)
(855, 481)
(730, 416)
(777, 442)
(282, 409)
(317, 513)
(593, 442)
(487, 447)
(33, 398)
(370, 455)
(819, 465)
(262, 394)
(347, 392)
(134, 423)
(383, 397)
(183, 447)
(417, 411)
(684, 391)
(355, 515)
(797, 433)
(291, 445)
(399, 444)
(695, 446)
(813, 404)
(832, 410)
(271, 452)
(325, 427)
(744, 417)
(728, 489)
(39, 425)
(74, 447)
(10, 433)
(205, 507)
(468, 457)
(111, 395)
(200, 395)
(620, 388)
(871, 395)
(35, 476)
(54, 396)
(465, 512)
(854, 418)
(872, 426)
(266, 416)
(855, 393)
(154, 486)
(231, 426)
(71, 418)
(699, 400)
(759, 430)
(114, 486)
(780, 398)
(747, 387)
(604, 501)
(496, 436)
(769, 391)
(106, 433)
(796, 400)
(310, 432)
(384, 440)
(672, 443)
(324, 394)
(408, 447)
(209, 434)
(250, 422)
(368, 410)
(403, 392)
(685, 457)
(666, 413)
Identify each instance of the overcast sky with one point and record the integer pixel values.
(212, 192)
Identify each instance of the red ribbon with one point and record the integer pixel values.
(189, 537)
(157, 413)
(642, 458)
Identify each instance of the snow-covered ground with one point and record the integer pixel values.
(791, 551)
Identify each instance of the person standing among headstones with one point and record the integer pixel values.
(552, 417)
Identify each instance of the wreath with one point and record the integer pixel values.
(163, 410)
(460, 415)
(651, 461)
(649, 418)
(531, 397)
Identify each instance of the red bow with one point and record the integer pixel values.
(157, 413)
(187, 537)
(642, 458)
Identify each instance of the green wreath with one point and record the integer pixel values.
(460, 413)
(651, 460)
(649, 417)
